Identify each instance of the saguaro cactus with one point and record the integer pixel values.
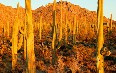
(100, 58)
(25, 40)
(54, 57)
(60, 37)
(30, 38)
(111, 22)
(74, 30)
(66, 28)
(15, 40)
(40, 27)
(7, 26)
(4, 30)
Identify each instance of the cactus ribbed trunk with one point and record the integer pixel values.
(15, 40)
(30, 39)
(60, 37)
(54, 57)
(100, 58)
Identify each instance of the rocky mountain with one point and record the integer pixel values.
(8, 13)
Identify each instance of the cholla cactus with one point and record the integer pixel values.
(100, 58)
(30, 39)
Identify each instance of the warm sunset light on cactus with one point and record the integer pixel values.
(100, 58)
(57, 36)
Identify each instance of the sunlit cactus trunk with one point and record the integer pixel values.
(60, 37)
(4, 30)
(7, 29)
(77, 28)
(25, 40)
(40, 28)
(111, 22)
(74, 30)
(66, 28)
(15, 40)
(54, 57)
(86, 26)
(100, 58)
(30, 39)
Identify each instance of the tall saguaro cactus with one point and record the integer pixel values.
(30, 38)
(60, 37)
(100, 58)
(15, 40)
(74, 30)
(111, 22)
(25, 40)
(66, 28)
(54, 34)
(40, 27)
(7, 25)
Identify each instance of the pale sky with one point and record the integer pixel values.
(109, 5)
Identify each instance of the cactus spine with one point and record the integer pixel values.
(54, 35)
(15, 40)
(100, 58)
(30, 39)
(61, 23)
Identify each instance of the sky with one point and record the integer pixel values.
(109, 5)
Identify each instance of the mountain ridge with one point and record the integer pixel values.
(8, 13)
